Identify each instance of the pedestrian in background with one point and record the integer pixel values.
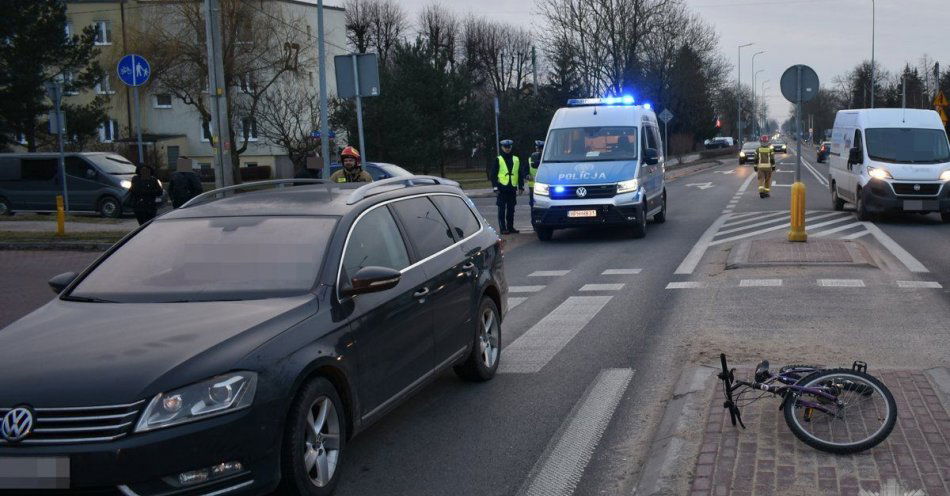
(507, 180)
(185, 183)
(533, 162)
(764, 163)
(145, 191)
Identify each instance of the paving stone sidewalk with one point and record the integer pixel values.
(767, 459)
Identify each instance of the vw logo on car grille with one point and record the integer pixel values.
(916, 187)
(17, 424)
(581, 192)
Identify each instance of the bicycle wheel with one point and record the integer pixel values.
(862, 415)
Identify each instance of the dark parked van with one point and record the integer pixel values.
(95, 182)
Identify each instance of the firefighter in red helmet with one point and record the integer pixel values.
(351, 171)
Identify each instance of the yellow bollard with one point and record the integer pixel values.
(60, 216)
(797, 233)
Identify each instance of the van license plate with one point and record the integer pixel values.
(581, 213)
(23, 472)
(913, 205)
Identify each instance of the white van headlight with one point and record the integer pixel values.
(945, 176)
(628, 186)
(541, 189)
(879, 173)
(126, 184)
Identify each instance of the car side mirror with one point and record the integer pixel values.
(650, 156)
(372, 280)
(855, 156)
(59, 283)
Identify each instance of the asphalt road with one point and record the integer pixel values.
(602, 325)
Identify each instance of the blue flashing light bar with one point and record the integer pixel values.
(610, 100)
(648, 106)
(627, 100)
(559, 189)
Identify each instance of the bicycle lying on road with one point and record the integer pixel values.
(835, 410)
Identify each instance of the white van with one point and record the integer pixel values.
(602, 166)
(890, 161)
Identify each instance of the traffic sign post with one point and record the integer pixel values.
(357, 75)
(134, 71)
(55, 91)
(799, 84)
(666, 116)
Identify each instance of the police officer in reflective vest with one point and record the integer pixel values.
(507, 178)
(533, 162)
(351, 171)
(764, 163)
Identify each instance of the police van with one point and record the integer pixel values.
(890, 161)
(602, 167)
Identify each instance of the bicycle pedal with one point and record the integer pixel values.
(859, 366)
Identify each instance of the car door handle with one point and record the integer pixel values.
(422, 293)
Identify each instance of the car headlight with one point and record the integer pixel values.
(216, 396)
(879, 173)
(742, 154)
(945, 176)
(628, 186)
(125, 183)
(541, 189)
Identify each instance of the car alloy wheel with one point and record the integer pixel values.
(488, 339)
(322, 441)
(481, 362)
(109, 207)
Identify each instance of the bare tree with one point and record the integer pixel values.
(375, 24)
(500, 54)
(259, 44)
(290, 111)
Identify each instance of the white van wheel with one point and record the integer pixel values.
(110, 207)
(860, 207)
(836, 202)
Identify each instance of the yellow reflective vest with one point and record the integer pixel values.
(508, 177)
(764, 156)
(532, 171)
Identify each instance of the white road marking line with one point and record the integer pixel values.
(753, 219)
(685, 285)
(920, 284)
(811, 168)
(841, 283)
(837, 229)
(773, 221)
(903, 255)
(745, 185)
(776, 228)
(560, 468)
(514, 301)
(759, 283)
(602, 287)
(856, 235)
(688, 265)
(620, 272)
(524, 289)
(548, 273)
(727, 211)
(744, 214)
(536, 347)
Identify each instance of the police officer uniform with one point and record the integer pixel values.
(533, 162)
(507, 178)
(764, 164)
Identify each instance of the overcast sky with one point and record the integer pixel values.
(832, 36)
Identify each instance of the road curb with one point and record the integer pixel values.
(667, 458)
(940, 377)
(61, 246)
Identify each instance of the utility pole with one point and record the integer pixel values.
(55, 90)
(359, 107)
(220, 132)
(903, 92)
(739, 94)
(324, 121)
(534, 69)
(872, 52)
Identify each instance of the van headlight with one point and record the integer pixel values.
(742, 154)
(541, 189)
(945, 176)
(125, 183)
(216, 396)
(628, 186)
(879, 173)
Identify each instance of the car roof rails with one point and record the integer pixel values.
(219, 193)
(394, 183)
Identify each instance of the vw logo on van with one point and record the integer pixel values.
(916, 187)
(581, 192)
(17, 424)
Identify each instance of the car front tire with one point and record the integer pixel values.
(314, 441)
(110, 207)
(482, 361)
(836, 202)
(861, 208)
(5, 207)
(639, 230)
(661, 216)
(544, 233)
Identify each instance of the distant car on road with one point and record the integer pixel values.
(378, 170)
(236, 344)
(747, 153)
(720, 142)
(823, 151)
(779, 145)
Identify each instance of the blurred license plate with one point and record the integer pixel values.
(582, 213)
(913, 204)
(21, 472)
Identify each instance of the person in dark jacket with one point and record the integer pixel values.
(144, 192)
(185, 183)
(507, 178)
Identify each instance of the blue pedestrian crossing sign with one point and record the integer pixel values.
(134, 70)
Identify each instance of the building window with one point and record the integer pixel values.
(21, 138)
(104, 86)
(250, 164)
(249, 129)
(205, 130)
(163, 100)
(69, 31)
(109, 131)
(68, 78)
(204, 165)
(103, 32)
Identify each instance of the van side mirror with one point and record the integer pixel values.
(371, 280)
(855, 156)
(59, 283)
(650, 156)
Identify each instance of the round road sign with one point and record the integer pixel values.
(799, 75)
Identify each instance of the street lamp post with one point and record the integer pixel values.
(755, 111)
(872, 53)
(739, 93)
(765, 118)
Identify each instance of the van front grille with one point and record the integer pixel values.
(918, 189)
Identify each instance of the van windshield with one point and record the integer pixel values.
(112, 164)
(908, 146)
(591, 144)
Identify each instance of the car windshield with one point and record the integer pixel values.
(112, 164)
(591, 144)
(909, 146)
(751, 145)
(778, 142)
(212, 259)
